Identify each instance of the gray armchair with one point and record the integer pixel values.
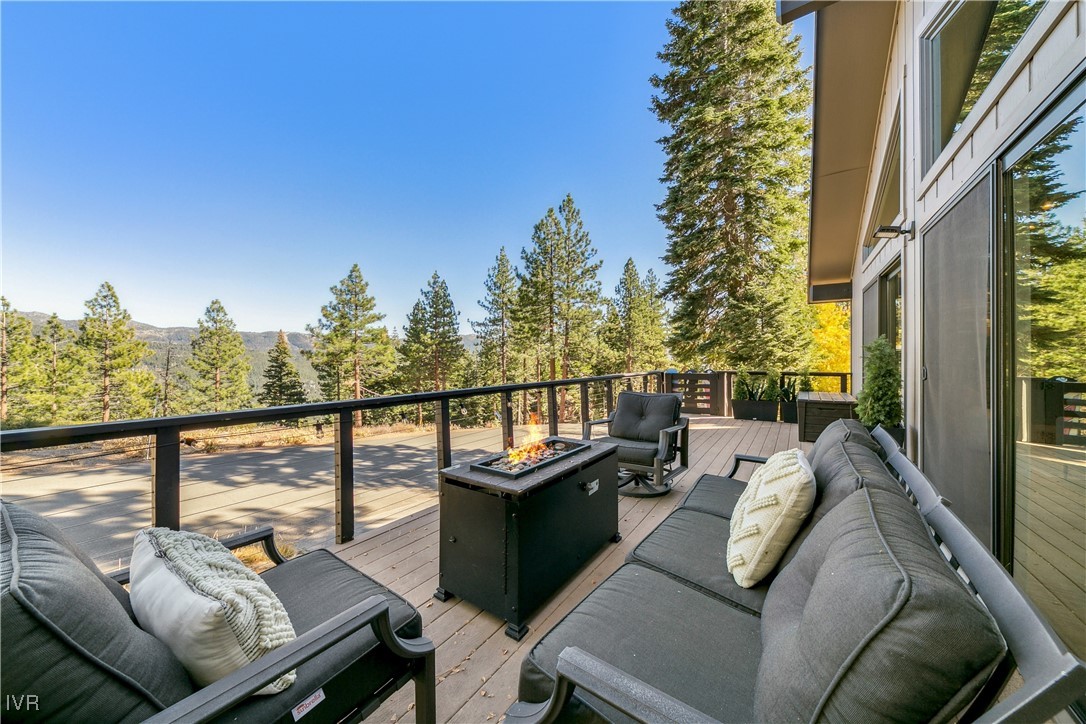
(72, 643)
(650, 435)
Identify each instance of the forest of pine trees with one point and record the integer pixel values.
(735, 101)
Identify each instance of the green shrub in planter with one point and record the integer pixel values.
(879, 402)
(754, 400)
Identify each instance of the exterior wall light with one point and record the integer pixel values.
(891, 232)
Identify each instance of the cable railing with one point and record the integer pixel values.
(159, 441)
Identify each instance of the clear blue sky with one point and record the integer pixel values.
(252, 152)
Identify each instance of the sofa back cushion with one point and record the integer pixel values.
(842, 468)
(840, 431)
(68, 639)
(641, 416)
(869, 623)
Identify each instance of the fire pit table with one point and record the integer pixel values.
(511, 538)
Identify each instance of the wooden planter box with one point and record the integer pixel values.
(818, 409)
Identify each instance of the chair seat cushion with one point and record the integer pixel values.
(67, 638)
(313, 588)
(869, 623)
(690, 646)
(669, 549)
(714, 494)
(635, 452)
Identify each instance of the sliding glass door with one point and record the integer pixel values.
(1045, 231)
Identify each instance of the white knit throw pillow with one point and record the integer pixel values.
(779, 496)
(215, 614)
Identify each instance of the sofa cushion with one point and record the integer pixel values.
(313, 588)
(689, 645)
(774, 505)
(840, 431)
(869, 623)
(68, 639)
(636, 452)
(842, 469)
(689, 545)
(214, 613)
(714, 494)
(641, 416)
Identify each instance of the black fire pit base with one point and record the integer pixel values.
(507, 545)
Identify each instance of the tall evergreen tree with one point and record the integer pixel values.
(736, 101)
(61, 380)
(432, 350)
(218, 377)
(282, 383)
(636, 326)
(122, 389)
(16, 362)
(560, 292)
(496, 329)
(350, 351)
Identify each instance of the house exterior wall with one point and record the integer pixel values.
(1045, 59)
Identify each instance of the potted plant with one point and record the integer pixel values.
(789, 409)
(754, 399)
(879, 402)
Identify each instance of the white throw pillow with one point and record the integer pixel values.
(779, 496)
(215, 614)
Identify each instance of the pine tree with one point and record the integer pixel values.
(122, 389)
(350, 351)
(736, 172)
(432, 350)
(635, 326)
(560, 293)
(282, 384)
(62, 378)
(16, 363)
(218, 376)
(496, 330)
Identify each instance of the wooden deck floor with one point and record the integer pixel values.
(477, 664)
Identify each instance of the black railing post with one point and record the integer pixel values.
(552, 410)
(586, 411)
(609, 395)
(644, 383)
(844, 383)
(444, 434)
(166, 479)
(344, 476)
(507, 420)
(729, 393)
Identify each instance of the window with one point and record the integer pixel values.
(1045, 227)
(965, 53)
(888, 198)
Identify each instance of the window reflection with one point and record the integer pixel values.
(1047, 220)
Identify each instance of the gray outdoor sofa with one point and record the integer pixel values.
(866, 618)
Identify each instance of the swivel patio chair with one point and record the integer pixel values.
(73, 650)
(650, 435)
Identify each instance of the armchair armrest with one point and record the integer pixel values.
(627, 693)
(740, 458)
(265, 535)
(587, 433)
(216, 698)
(668, 435)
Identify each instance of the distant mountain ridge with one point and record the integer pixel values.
(258, 344)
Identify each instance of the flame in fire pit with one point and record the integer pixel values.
(529, 453)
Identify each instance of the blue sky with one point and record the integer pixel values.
(252, 152)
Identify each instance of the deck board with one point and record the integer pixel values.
(478, 665)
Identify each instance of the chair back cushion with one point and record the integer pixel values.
(869, 623)
(641, 416)
(67, 638)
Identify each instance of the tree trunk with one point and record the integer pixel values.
(105, 383)
(357, 390)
